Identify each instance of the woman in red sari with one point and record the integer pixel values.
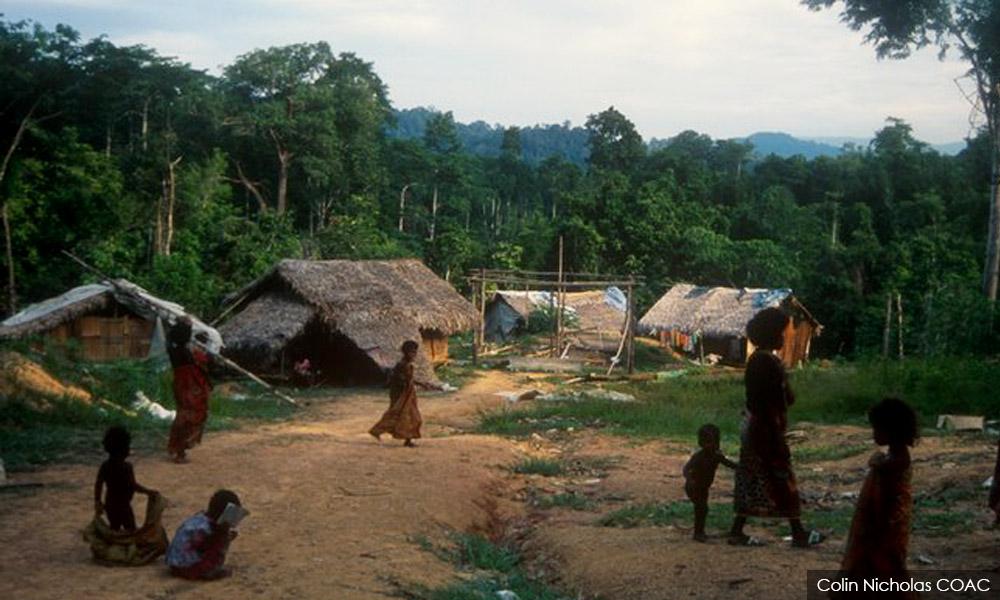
(191, 390)
(765, 482)
(402, 420)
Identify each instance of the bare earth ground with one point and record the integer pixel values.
(336, 516)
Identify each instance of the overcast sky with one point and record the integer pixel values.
(727, 68)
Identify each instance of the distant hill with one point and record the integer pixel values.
(538, 142)
(784, 145)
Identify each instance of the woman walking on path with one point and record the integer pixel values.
(191, 390)
(402, 420)
(765, 482)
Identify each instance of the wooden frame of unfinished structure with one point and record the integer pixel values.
(558, 282)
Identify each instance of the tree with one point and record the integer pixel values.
(276, 98)
(614, 142)
(896, 29)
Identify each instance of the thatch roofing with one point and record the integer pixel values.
(378, 304)
(716, 311)
(46, 315)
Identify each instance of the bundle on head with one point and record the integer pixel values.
(767, 327)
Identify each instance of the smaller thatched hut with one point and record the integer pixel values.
(595, 317)
(108, 322)
(349, 318)
(712, 320)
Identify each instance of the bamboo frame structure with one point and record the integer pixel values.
(557, 282)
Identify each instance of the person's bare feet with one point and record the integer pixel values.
(409, 444)
(179, 458)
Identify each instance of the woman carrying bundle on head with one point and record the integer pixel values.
(191, 390)
(765, 483)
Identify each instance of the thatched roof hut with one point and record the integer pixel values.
(108, 321)
(349, 318)
(597, 316)
(713, 320)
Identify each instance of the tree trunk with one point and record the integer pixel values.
(888, 324)
(402, 205)
(251, 187)
(145, 125)
(107, 142)
(171, 203)
(11, 287)
(284, 160)
(434, 212)
(991, 268)
(160, 203)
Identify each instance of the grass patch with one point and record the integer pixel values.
(72, 432)
(478, 552)
(539, 466)
(565, 500)
(497, 568)
(932, 523)
(807, 454)
(675, 408)
(662, 514)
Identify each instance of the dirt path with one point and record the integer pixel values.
(334, 515)
(661, 562)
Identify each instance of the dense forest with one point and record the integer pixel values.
(192, 184)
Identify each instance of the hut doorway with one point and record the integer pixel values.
(337, 359)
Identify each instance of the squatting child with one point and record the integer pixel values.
(118, 477)
(198, 550)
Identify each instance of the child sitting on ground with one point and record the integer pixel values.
(118, 476)
(198, 550)
(880, 531)
(699, 473)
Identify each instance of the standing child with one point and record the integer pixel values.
(198, 550)
(699, 473)
(880, 531)
(117, 475)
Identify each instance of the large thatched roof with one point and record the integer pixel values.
(715, 311)
(46, 315)
(378, 304)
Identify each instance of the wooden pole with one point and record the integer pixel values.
(475, 332)
(560, 301)
(631, 331)
(899, 322)
(888, 323)
(482, 312)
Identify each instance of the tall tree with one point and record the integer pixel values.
(276, 99)
(614, 142)
(896, 29)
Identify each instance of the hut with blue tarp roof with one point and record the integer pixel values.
(703, 321)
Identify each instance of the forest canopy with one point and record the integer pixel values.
(192, 184)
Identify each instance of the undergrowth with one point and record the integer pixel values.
(71, 431)
(493, 567)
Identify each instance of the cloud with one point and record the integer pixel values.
(721, 67)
